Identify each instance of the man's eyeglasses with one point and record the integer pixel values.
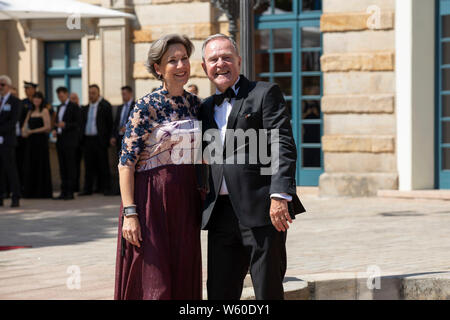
(2, 84)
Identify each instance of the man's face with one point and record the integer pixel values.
(126, 95)
(30, 91)
(62, 96)
(94, 94)
(74, 98)
(222, 63)
(4, 88)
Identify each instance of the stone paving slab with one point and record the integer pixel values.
(335, 239)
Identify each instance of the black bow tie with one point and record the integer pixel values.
(228, 94)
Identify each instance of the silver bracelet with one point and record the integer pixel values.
(130, 211)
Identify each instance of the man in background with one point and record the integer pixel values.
(120, 121)
(67, 132)
(73, 97)
(10, 108)
(96, 125)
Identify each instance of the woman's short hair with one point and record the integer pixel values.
(159, 48)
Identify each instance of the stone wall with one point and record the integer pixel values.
(197, 19)
(358, 101)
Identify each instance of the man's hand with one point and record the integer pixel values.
(61, 124)
(131, 230)
(122, 130)
(112, 141)
(279, 214)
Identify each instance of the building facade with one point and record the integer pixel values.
(367, 81)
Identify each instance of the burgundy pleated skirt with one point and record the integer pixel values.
(168, 264)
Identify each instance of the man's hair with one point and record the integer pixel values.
(62, 89)
(193, 85)
(219, 36)
(7, 79)
(128, 88)
(94, 86)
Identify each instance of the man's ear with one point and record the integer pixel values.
(204, 67)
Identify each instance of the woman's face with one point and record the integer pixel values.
(37, 101)
(175, 67)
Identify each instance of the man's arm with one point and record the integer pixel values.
(10, 124)
(284, 157)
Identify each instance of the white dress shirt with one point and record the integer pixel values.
(91, 125)
(221, 114)
(61, 112)
(124, 113)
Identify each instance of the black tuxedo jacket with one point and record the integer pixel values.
(71, 132)
(258, 105)
(104, 121)
(115, 131)
(8, 121)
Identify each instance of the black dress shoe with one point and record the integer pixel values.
(69, 197)
(60, 197)
(85, 193)
(15, 203)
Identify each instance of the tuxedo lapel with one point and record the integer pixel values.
(242, 94)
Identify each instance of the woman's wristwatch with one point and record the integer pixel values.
(130, 211)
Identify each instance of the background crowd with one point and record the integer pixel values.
(82, 133)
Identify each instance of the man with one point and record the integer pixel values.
(246, 212)
(27, 105)
(192, 88)
(66, 130)
(73, 97)
(122, 114)
(10, 108)
(96, 126)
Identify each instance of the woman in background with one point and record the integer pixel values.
(37, 176)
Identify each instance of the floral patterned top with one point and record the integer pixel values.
(161, 130)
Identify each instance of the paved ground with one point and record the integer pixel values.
(335, 236)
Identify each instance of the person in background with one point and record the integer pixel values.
(14, 92)
(27, 105)
(36, 164)
(68, 117)
(10, 109)
(192, 88)
(73, 97)
(122, 114)
(96, 125)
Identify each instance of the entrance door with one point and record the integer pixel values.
(443, 96)
(288, 49)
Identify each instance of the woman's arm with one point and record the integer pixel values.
(25, 131)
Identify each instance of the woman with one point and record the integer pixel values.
(37, 176)
(159, 256)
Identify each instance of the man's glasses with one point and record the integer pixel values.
(2, 84)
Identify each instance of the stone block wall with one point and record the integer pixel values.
(358, 101)
(195, 18)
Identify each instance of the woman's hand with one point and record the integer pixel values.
(131, 230)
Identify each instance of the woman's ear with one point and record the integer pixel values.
(157, 69)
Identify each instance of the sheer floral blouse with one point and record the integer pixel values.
(161, 130)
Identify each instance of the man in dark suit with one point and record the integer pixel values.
(120, 121)
(96, 126)
(251, 201)
(67, 124)
(10, 108)
(122, 114)
(73, 97)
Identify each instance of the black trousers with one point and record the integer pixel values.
(234, 249)
(96, 163)
(67, 167)
(8, 171)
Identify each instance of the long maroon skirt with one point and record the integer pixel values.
(168, 264)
